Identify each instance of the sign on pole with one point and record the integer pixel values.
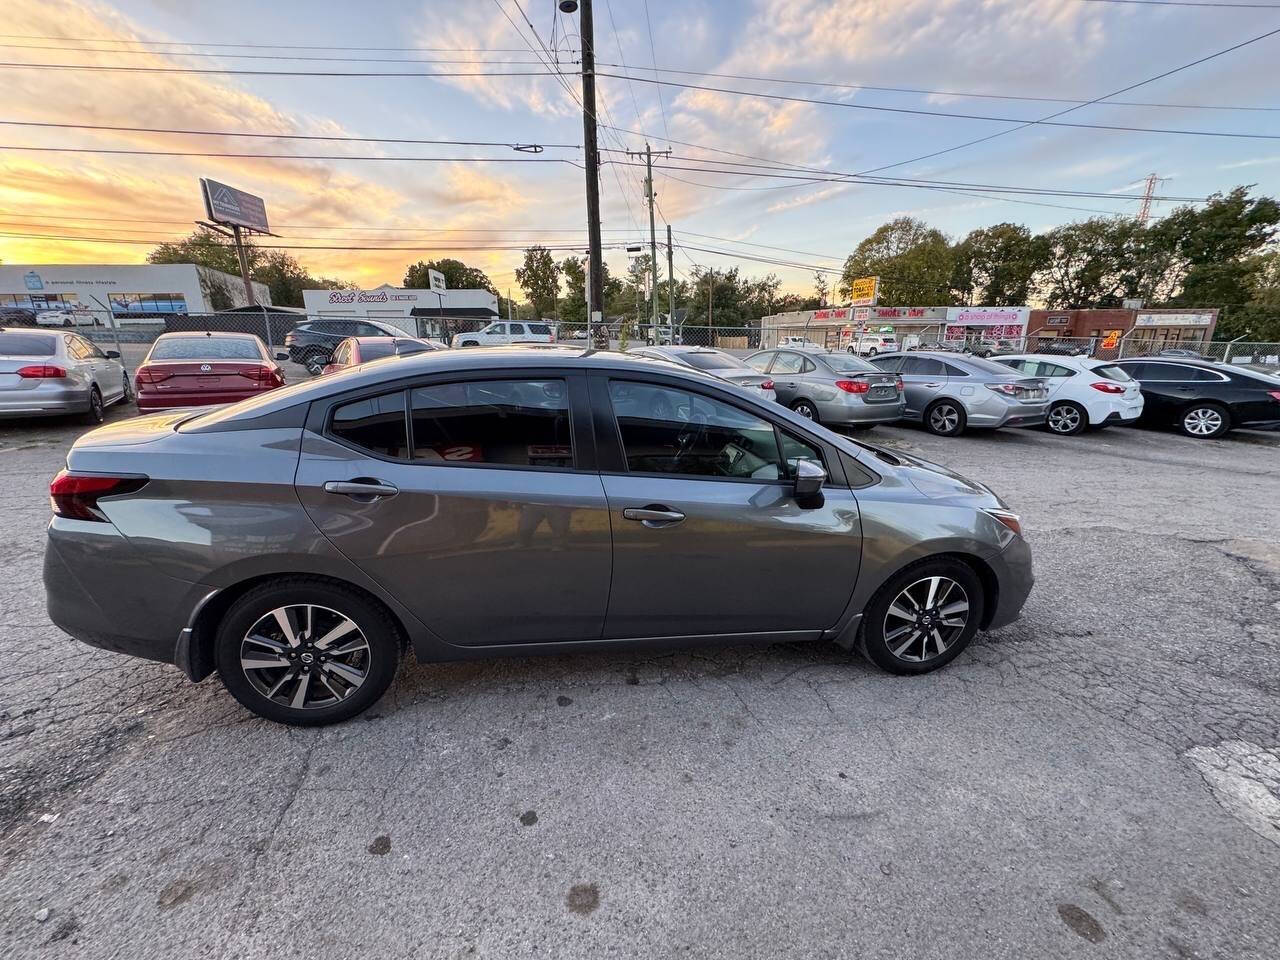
(436, 279)
(864, 291)
(232, 207)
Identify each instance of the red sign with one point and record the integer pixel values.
(838, 313)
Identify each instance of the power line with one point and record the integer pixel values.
(282, 246)
(1191, 3)
(258, 46)
(285, 156)
(933, 93)
(915, 111)
(654, 56)
(286, 136)
(252, 56)
(129, 68)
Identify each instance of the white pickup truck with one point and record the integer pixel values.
(502, 332)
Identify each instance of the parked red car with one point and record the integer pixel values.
(357, 350)
(198, 369)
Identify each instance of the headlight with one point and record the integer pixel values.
(1008, 518)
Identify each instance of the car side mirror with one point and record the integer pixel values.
(282, 355)
(113, 354)
(809, 478)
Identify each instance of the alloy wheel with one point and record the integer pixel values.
(1064, 419)
(1202, 421)
(944, 419)
(96, 411)
(805, 411)
(925, 619)
(305, 656)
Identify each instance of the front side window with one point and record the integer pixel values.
(513, 423)
(375, 424)
(793, 449)
(673, 431)
(495, 330)
(1169, 372)
(788, 363)
(760, 362)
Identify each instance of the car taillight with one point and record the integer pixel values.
(1274, 394)
(152, 375)
(1009, 519)
(767, 385)
(42, 371)
(1103, 387)
(1008, 389)
(900, 385)
(76, 497)
(263, 374)
(853, 386)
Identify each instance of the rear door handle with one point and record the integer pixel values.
(931, 385)
(361, 489)
(653, 516)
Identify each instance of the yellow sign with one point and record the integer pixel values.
(863, 291)
(1111, 339)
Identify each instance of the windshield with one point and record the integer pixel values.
(206, 348)
(26, 345)
(849, 363)
(712, 360)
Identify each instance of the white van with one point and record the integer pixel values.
(502, 332)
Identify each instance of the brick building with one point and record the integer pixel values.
(1163, 326)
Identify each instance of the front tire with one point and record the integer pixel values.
(1066, 418)
(306, 652)
(806, 409)
(1204, 421)
(923, 617)
(945, 418)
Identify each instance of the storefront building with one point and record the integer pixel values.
(986, 324)
(419, 313)
(134, 293)
(1162, 326)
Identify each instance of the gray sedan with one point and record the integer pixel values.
(948, 392)
(47, 374)
(715, 362)
(832, 388)
(479, 503)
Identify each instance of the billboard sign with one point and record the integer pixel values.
(437, 280)
(232, 207)
(1174, 319)
(863, 291)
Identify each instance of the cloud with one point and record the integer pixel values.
(1255, 162)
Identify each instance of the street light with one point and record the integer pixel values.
(568, 6)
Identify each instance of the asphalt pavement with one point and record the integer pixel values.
(1099, 779)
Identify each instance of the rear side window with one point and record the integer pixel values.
(672, 431)
(377, 348)
(14, 344)
(788, 363)
(1112, 373)
(541, 329)
(517, 329)
(375, 424)
(923, 367)
(206, 348)
(954, 371)
(760, 362)
(512, 423)
(1171, 373)
(887, 364)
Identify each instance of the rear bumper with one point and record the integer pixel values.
(46, 400)
(855, 411)
(1116, 411)
(1013, 415)
(100, 591)
(171, 401)
(1015, 578)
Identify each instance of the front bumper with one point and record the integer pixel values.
(1015, 578)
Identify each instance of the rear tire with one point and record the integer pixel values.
(945, 418)
(343, 677)
(1066, 418)
(1204, 421)
(905, 639)
(96, 412)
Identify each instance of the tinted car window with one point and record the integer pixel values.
(924, 367)
(26, 345)
(515, 423)
(375, 424)
(1174, 372)
(788, 363)
(370, 330)
(541, 329)
(887, 364)
(517, 329)
(206, 348)
(1201, 375)
(667, 430)
(953, 371)
(1112, 372)
(1138, 371)
(376, 349)
(808, 366)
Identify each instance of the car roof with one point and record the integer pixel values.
(1063, 358)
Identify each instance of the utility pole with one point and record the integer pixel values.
(711, 286)
(653, 243)
(671, 288)
(591, 158)
(1144, 212)
(244, 266)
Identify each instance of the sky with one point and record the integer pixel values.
(939, 54)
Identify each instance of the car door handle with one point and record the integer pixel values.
(653, 516)
(371, 489)
(931, 385)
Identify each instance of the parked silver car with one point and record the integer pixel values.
(48, 374)
(837, 389)
(948, 392)
(475, 503)
(715, 362)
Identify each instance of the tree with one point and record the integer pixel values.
(539, 277)
(457, 275)
(204, 249)
(1085, 263)
(284, 277)
(995, 265)
(821, 288)
(912, 260)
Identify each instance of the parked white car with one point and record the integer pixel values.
(872, 344)
(64, 318)
(1083, 392)
(502, 332)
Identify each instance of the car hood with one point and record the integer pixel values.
(935, 481)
